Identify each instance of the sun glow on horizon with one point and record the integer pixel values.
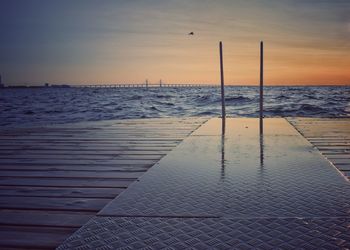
(129, 41)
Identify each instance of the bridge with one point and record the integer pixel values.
(145, 85)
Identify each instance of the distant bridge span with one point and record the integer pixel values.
(143, 85)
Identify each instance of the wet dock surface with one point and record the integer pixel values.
(331, 136)
(239, 190)
(54, 179)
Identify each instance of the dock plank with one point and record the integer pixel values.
(77, 161)
(68, 167)
(65, 182)
(82, 157)
(72, 174)
(82, 152)
(45, 219)
(33, 237)
(46, 203)
(64, 192)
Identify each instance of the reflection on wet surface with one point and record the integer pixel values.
(261, 151)
(239, 174)
(223, 125)
(261, 134)
(246, 127)
(223, 128)
(222, 176)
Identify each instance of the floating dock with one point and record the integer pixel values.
(205, 190)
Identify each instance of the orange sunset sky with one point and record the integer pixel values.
(306, 41)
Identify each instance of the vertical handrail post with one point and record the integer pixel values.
(261, 108)
(223, 111)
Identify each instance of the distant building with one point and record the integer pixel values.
(47, 84)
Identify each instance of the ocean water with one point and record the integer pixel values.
(44, 106)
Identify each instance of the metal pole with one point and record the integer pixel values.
(261, 113)
(222, 89)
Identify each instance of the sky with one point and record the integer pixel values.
(128, 41)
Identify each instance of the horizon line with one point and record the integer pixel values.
(173, 83)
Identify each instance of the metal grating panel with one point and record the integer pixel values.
(236, 176)
(209, 233)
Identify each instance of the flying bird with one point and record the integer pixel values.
(191, 33)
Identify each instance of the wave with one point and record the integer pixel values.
(237, 99)
(282, 96)
(29, 112)
(50, 106)
(135, 97)
(309, 108)
(163, 96)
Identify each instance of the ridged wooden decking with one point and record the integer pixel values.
(54, 179)
(331, 136)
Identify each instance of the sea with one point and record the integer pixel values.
(45, 106)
